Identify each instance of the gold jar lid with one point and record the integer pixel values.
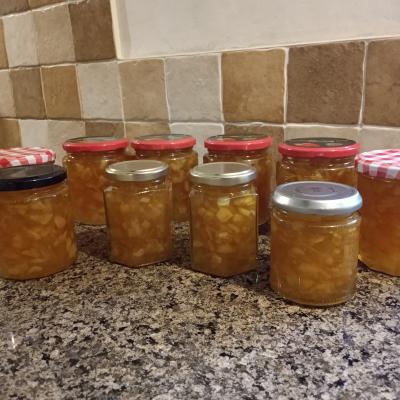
(136, 170)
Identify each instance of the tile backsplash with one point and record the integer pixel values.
(60, 78)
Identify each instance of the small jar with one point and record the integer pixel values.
(223, 208)
(314, 242)
(379, 185)
(139, 212)
(86, 163)
(36, 222)
(177, 152)
(15, 157)
(249, 149)
(317, 159)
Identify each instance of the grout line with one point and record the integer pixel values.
(78, 85)
(166, 90)
(42, 89)
(221, 87)
(364, 83)
(285, 87)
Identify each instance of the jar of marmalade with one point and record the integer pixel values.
(379, 184)
(314, 242)
(36, 223)
(223, 210)
(177, 152)
(317, 159)
(139, 212)
(86, 163)
(21, 156)
(251, 149)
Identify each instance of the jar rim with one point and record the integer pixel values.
(238, 142)
(94, 144)
(136, 170)
(170, 141)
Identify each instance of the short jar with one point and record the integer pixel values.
(86, 163)
(314, 242)
(251, 149)
(177, 152)
(379, 184)
(317, 159)
(139, 212)
(36, 222)
(223, 208)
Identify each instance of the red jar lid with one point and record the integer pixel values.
(94, 143)
(383, 164)
(238, 142)
(163, 142)
(18, 156)
(319, 147)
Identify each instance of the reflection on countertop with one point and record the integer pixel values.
(104, 331)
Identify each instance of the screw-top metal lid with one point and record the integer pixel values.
(136, 170)
(320, 198)
(94, 143)
(223, 174)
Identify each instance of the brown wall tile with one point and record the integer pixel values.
(12, 6)
(40, 3)
(382, 89)
(143, 90)
(325, 83)
(7, 105)
(135, 129)
(9, 133)
(3, 51)
(104, 128)
(28, 97)
(253, 85)
(61, 92)
(92, 30)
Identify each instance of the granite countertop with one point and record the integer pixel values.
(103, 331)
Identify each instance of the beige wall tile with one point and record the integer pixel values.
(382, 89)
(7, 105)
(20, 38)
(3, 51)
(34, 132)
(40, 3)
(253, 85)
(12, 6)
(28, 96)
(54, 35)
(92, 30)
(299, 131)
(193, 88)
(105, 128)
(135, 129)
(100, 90)
(9, 133)
(61, 92)
(372, 138)
(325, 83)
(143, 90)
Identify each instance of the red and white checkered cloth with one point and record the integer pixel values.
(380, 163)
(17, 156)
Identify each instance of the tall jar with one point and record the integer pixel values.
(22, 156)
(176, 151)
(250, 149)
(223, 209)
(314, 242)
(139, 212)
(86, 163)
(379, 184)
(317, 159)
(36, 223)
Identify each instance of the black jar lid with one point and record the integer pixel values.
(31, 177)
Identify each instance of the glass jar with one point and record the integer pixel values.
(379, 184)
(86, 163)
(36, 223)
(139, 212)
(314, 242)
(22, 156)
(317, 159)
(177, 152)
(223, 208)
(251, 149)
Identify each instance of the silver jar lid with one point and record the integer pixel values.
(318, 198)
(136, 170)
(222, 174)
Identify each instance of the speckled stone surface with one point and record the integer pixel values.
(103, 331)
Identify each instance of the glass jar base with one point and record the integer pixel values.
(373, 266)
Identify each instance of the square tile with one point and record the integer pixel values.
(13, 6)
(253, 85)
(299, 131)
(7, 105)
(325, 83)
(3, 51)
(143, 90)
(194, 88)
(104, 128)
(61, 92)
(92, 30)
(372, 138)
(54, 35)
(9, 133)
(382, 88)
(28, 96)
(100, 90)
(34, 132)
(135, 129)
(40, 3)
(20, 38)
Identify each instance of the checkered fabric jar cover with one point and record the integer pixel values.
(383, 164)
(18, 156)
